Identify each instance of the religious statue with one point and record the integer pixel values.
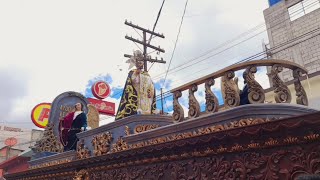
(73, 123)
(138, 95)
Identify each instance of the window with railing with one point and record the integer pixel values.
(302, 8)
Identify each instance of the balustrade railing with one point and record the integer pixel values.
(230, 90)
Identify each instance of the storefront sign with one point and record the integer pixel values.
(100, 90)
(104, 107)
(40, 114)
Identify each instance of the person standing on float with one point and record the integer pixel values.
(73, 123)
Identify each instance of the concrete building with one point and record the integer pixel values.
(293, 28)
(15, 138)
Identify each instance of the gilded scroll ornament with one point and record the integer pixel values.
(101, 143)
(144, 127)
(82, 175)
(82, 151)
(194, 107)
(127, 130)
(230, 90)
(120, 145)
(212, 104)
(178, 113)
(300, 92)
(282, 92)
(48, 142)
(201, 131)
(256, 92)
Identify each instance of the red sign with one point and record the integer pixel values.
(11, 141)
(104, 107)
(100, 90)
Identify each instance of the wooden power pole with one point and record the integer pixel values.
(145, 44)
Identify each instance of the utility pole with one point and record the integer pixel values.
(145, 44)
(161, 103)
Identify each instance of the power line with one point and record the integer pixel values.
(168, 93)
(246, 59)
(175, 44)
(193, 59)
(263, 52)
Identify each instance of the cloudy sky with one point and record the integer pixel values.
(49, 47)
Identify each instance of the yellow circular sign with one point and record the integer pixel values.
(40, 114)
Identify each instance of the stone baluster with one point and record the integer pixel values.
(212, 104)
(282, 92)
(300, 92)
(230, 90)
(255, 91)
(178, 113)
(194, 106)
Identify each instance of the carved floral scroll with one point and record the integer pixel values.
(230, 90)
(256, 92)
(282, 92)
(300, 92)
(194, 107)
(178, 113)
(101, 143)
(212, 104)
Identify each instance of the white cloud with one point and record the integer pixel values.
(60, 45)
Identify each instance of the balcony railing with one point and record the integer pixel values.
(230, 90)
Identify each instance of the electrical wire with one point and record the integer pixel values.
(263, 52)
(175, 44)
(193, 59)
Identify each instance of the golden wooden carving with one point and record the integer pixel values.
(120, 145)
(93, 116)
(312, 137)
(300, 92)
(230, 90)
(101, 143)
(82, 150)
(145, 127)
(178, 113)
(127, 130)
(255, 90)
(82, 175)
(282, 92)
(56, 162)
(48, 142)
(200, 131)
(212, 104)
(194, 106)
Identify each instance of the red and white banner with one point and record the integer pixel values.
(104, 107)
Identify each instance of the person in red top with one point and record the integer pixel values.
(73, 123)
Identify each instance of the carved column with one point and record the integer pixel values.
(178, 113)
(212, 104)
(194, 107)
(230, 90)
(255, 91)
(300, 92)
(282, 92)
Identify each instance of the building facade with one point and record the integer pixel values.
(293, 28)
(18, 138)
